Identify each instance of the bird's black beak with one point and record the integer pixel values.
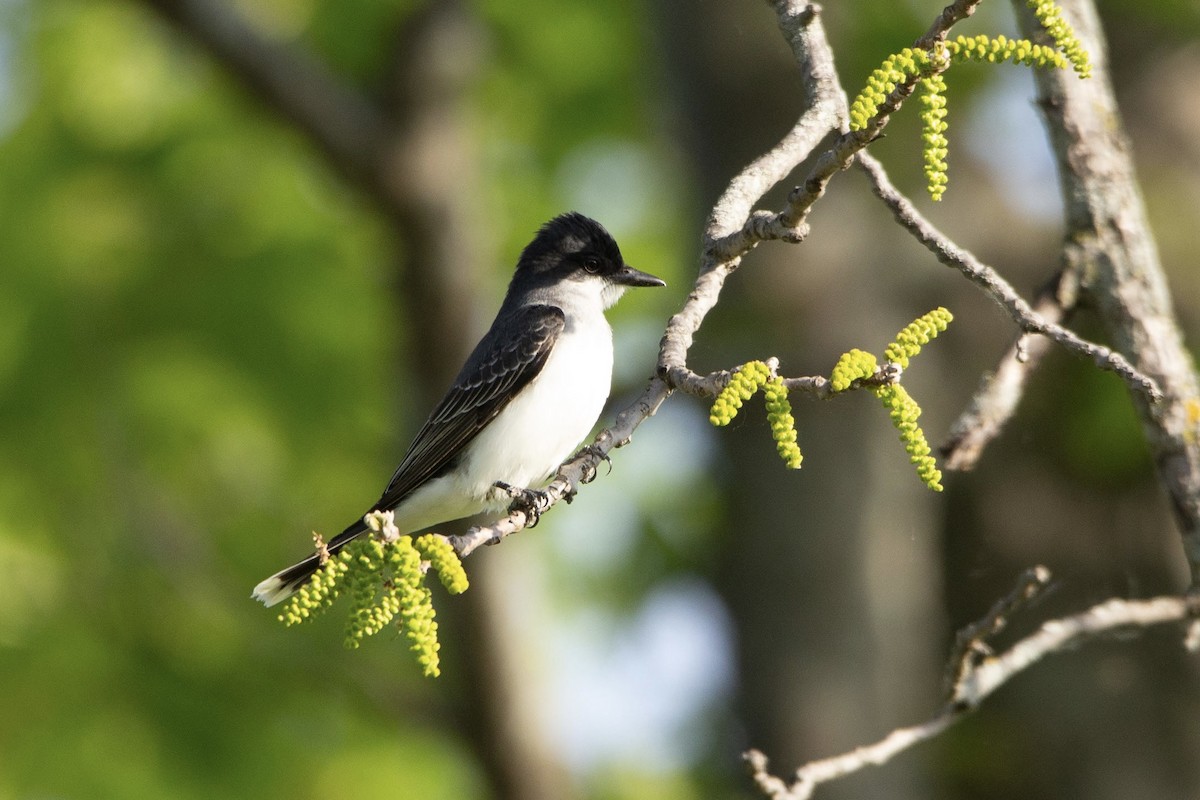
(628, 276)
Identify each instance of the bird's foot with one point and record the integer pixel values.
(590, 474)
(531, 502)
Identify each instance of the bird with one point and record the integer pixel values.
(528, 394)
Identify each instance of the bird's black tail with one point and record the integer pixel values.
(284, 584)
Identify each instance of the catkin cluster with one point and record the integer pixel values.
(374, 598)
(917, 333)
(858, 365)
(384, 579)
(747, 380)
(901, 70)
(741, 387)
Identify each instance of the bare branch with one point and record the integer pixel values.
(1062, 635)
(970, 645)
(1001, 390)
(975, 674)
(770, 785)
(732, 229)
(814, 773)
(951, 15)
(996, 287)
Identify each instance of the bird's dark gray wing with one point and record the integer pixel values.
(508, 357)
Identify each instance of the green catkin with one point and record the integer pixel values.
(997, 50)
(414, 603)
(895, 70)
(934, 144)
(926, 66)
(852, 366)
(741, 387)
(1050, 15)
(363, 585)
(783, 425)
(904, 412)
(444, 561)
(421, 628)
(316, 595)
(909, 341)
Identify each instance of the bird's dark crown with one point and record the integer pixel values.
(571, 241)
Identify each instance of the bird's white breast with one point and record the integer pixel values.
(550, 417)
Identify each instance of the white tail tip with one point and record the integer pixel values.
(271, 591)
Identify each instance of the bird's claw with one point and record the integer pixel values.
(530, 502)
(590, 474)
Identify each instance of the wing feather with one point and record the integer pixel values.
(510, 356)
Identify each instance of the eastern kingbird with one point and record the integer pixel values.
(527, 396)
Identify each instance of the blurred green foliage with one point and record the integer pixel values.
(197, 365)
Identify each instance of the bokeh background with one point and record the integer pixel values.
(218, 331)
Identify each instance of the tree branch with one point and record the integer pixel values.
(1108, 240)
(996, 287)
(369, 143)
(732, 229)
(975, 674)
(970, 645)
(1001, 390)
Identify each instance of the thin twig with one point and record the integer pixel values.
(951, 15)
(970, 645)
(734, 228)
(977, 674)
(996, 287)
(770, 785)
(1001, 390)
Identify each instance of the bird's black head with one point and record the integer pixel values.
(574, 249)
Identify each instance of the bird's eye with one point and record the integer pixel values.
(591, 265)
